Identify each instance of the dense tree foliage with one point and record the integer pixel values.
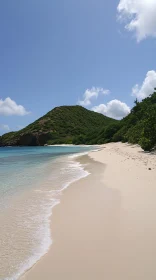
(77, 125)
(139, 127)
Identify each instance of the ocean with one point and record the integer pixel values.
(31, 183)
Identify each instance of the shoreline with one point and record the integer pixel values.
(81, 173)
(85, 160)
(102, 227)
(29, 210)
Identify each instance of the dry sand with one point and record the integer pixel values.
(105, 225)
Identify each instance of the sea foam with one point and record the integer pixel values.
(39, 201)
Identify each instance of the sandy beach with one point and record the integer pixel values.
(105, 225)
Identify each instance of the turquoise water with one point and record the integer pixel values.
(31, 182)
(22, 167)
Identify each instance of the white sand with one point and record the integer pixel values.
(105, 225)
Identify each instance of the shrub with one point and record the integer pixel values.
(146, 144)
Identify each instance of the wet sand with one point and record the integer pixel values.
(105, 225)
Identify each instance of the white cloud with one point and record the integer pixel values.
(140, 17)
(91, 94)
(113, 109)
(147, 86)
(4, 127)
(8, 107)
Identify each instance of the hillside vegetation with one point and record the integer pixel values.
(65, 124)
(139, 127)
(77, 125)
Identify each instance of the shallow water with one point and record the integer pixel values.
(31, 182)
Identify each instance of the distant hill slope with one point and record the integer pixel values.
(65, 124)
(77, 125)
(139, 127)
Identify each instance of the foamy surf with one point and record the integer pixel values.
(30, 213)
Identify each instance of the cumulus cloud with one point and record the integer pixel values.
(147, 86)
(8, 107)
(113, 109)
(139, 16)
(91, 94)
(4, 127)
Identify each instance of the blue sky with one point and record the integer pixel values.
(100, 54)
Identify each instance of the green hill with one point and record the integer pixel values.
(65, 124)
(77, 125)
(139, 127)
